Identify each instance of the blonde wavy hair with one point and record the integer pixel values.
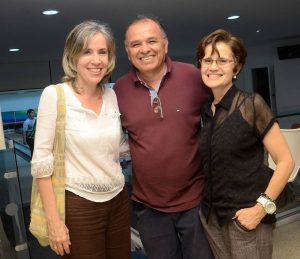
(76, 41)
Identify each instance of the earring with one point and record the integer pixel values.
(234, 77)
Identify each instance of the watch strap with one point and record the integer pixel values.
(266, 203)
(267, 196)
(262, 200)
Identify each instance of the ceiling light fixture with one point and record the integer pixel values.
(14, 50)
(50, 12)
(233, 17)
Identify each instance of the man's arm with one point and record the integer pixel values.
(25, 127)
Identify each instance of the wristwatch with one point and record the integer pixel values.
(267, 203)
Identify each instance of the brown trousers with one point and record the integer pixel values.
(98, 230)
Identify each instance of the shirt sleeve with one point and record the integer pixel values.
(124, 146)
(264, 118)
(42, 160)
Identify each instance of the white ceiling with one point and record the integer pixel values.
(41, 38)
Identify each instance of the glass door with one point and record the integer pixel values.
(13, 238)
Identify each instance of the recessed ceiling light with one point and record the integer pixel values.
(233, 17)
(50, 12)
(14, 50)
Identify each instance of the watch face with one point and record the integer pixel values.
(270, 207)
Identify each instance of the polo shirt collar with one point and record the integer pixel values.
(133, 72)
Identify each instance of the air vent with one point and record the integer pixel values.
(289, 52)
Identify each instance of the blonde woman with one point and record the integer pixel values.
(97, 206)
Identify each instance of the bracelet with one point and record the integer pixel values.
(267, 196)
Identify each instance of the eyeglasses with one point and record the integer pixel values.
(219, 61)
(157, 108)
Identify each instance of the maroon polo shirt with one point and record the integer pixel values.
(166, 165)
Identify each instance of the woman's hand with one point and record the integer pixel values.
(59, 238)
(250, 217)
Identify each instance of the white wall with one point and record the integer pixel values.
(284, 84)
(287, 83)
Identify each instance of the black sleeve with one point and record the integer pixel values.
(264, 118)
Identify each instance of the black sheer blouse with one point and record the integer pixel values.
(233, 153)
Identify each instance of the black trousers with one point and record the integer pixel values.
(173, 235)
(30, 143)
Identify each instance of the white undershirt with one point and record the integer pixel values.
(93, 145)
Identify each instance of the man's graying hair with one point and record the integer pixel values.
(143, 17)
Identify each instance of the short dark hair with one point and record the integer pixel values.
(236, 44)
(29, 111)
(151, 17)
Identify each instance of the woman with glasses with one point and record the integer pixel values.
(239, 202)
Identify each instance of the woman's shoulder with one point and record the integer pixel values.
(244, 97)
(253, 103)
(109, 93)
(49, 92)
(109, 96)
(52, 88)
(253, 97)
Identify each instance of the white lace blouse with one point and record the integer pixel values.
(93, 145)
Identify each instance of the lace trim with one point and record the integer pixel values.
(42, 168)
(90, 186)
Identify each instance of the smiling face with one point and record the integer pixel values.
(146, 47)
(219, 76)
(92, 62)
